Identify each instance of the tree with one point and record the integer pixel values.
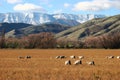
(2, 39)
(41, 40)
(92, 42)
(110, 41)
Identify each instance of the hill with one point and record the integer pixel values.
(22, 29)
(50, 27)
(94, 27)
(10, 26)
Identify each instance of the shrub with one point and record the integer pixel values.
(13, 43)
(110, 41)
(2, 39)
(42, 40)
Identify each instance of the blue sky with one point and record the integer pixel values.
(107, 7)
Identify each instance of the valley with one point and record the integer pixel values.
(59, 40)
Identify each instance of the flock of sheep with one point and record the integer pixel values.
(76, 62)
(79, 61)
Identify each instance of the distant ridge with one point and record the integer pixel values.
(94, 27)
(22, 29)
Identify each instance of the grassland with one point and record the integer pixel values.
(44, 66)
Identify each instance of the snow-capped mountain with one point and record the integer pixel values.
(40, 18)
(79, 18)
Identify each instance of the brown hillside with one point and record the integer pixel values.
(93, 27)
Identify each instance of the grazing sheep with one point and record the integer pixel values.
(91, 63)
(57, 57)
(72, 57)
(110, 57)
(68, 62)
(21, 57)
(62, 57)
(77, 62)
(80, 57)
(28, 57)
(118, 57)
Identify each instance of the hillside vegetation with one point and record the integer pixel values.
(94, 27)
(22, 29)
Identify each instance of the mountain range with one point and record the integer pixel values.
(42, 18)
(94, 27)
(65, 26)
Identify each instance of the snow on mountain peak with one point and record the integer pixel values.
(39, 18)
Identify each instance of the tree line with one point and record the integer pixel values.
(46, 40)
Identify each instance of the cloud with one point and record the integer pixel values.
(116, 4)
(66, 5)
(29, 7)
(13, 1)
(96, 5)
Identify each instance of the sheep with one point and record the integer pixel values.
(91, 63)
(77, 62)
(110, 57)
(80, 57)
(72, 57)
(21, 57)
(28, 57)
(118, 57)
(61, 57)
(68, 62)
(57, 57)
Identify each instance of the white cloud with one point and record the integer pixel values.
(96, 5)
(116, 4)
(66, 5)
(13, 1)
(28, 7)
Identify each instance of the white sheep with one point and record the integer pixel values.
(91, 63)
(110, 57)
(118, 57)
(72, 57)
(68, 62)
(80, 57)
(77, 62)
(57, 57)
(61, 57)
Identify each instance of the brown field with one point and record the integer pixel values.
(44, 66)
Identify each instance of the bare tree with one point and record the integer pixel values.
(92, 42)
(41, 40)
(110, 41)
(2, 39)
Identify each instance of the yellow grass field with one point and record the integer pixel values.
(44, 66)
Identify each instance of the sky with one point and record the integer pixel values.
(106, 7)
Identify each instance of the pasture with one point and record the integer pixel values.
(44, 66)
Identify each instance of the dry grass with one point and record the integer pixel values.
(44, 66)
